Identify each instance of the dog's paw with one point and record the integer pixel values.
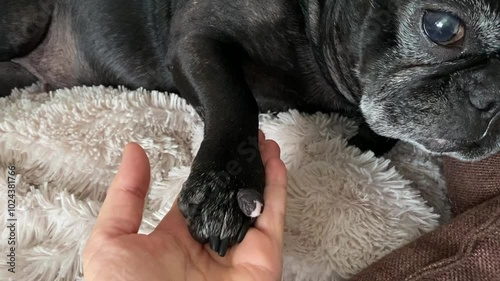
(220, 207)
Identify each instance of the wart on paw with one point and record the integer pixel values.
(251, 202)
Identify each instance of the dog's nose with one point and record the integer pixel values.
(485, 101)
(484, 89)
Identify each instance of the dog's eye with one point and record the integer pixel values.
(443, 28)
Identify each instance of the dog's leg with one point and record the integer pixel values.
(13, 76)
(228, 162)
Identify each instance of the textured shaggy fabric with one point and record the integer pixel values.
(346, 209)
(465, 249)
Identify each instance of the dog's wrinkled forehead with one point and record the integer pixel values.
(481, 18)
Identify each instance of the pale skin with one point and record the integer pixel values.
(116, 252)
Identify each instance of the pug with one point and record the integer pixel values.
(421, 71)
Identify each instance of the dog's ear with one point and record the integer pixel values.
(312, 14)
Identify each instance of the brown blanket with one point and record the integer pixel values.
(468, 248)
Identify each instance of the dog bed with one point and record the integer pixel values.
(346, 209)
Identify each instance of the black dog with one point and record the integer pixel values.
(418, 70)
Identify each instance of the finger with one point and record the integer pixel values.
(262, 136)
(121, 212)
(269, 149)
(272, 219)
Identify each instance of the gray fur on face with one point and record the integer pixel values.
(423, 93)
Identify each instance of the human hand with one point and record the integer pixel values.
(116, 252)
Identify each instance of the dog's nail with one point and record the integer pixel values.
(214, 243)
(224, 245)
(250, 202)
(243, 232)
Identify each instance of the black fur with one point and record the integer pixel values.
(368, 59)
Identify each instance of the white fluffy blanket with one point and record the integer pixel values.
(345, 209)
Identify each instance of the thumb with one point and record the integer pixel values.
(122, 210)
